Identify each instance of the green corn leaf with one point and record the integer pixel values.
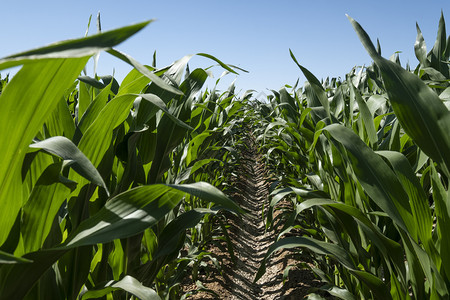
(168, 239)
(226, 67)
(17, 280)
(61, 122)
(335, 291)
(133, 83)
(93, 109)
(390, 249)
(67, 150)
(191, 170)
(420, 48)
(366, 116)
(42, 84)
(145, 71)
(85, 98)
(92, 82)
(208, 192)
(438, 53)
(377, 286)
(418, 199)
(420, 111)
(6, 258)
(129, 284)
(137, 209)
(98, 137)
(377, 179)
(442, 211)
(122, 216)
(319, 95)
(316, 246)
(159, 104)
(169, 134)
(82, 47)
(437, 286)
(194, 144)
(42, 206)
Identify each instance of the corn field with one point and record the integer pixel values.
(115, 190)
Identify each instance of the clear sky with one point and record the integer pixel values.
(254, 35)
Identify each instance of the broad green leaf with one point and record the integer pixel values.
(137, 209)
(159, 104)
(438, 52)
(442, 211)
(6, 258)
(129, 284)
(92, 82)
(366, 116)
(319, 95)
(169, 134)
(226, 67)
(98, 137)
(168, 239)
(145, 71)
(42, 83)
(316, 246)
(134, 82)
(61, 122)
(82, 47)
(122, 216)
(390, 249)
(67, 150)
(85, 97)
(74, 269)
(377, 179)
(378, 288)
(17, 280)
(45, 200)
(420, 111)
(33, 166)
(420, 48)
(418, 199)
(126, 214)
(437, 285)
(209, 193)
(117, 260)
(93, 109)
(337, 292)
(191, 170)
(194, 145)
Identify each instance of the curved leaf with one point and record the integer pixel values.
(42, 84)
(145, 71)
(6, 258)
(420, 111)
(375, 176)
(122, 216)
(316, 246)
(129, 284)
(82, 47)
(43, 204)
(66, 149)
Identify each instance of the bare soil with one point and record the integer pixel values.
(250, 242)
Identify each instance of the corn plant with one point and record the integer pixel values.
(363, 163)
(97, 195)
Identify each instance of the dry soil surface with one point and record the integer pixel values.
(251, 241)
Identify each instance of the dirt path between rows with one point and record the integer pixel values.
(251, 241)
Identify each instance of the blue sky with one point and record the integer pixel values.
(254, 35)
